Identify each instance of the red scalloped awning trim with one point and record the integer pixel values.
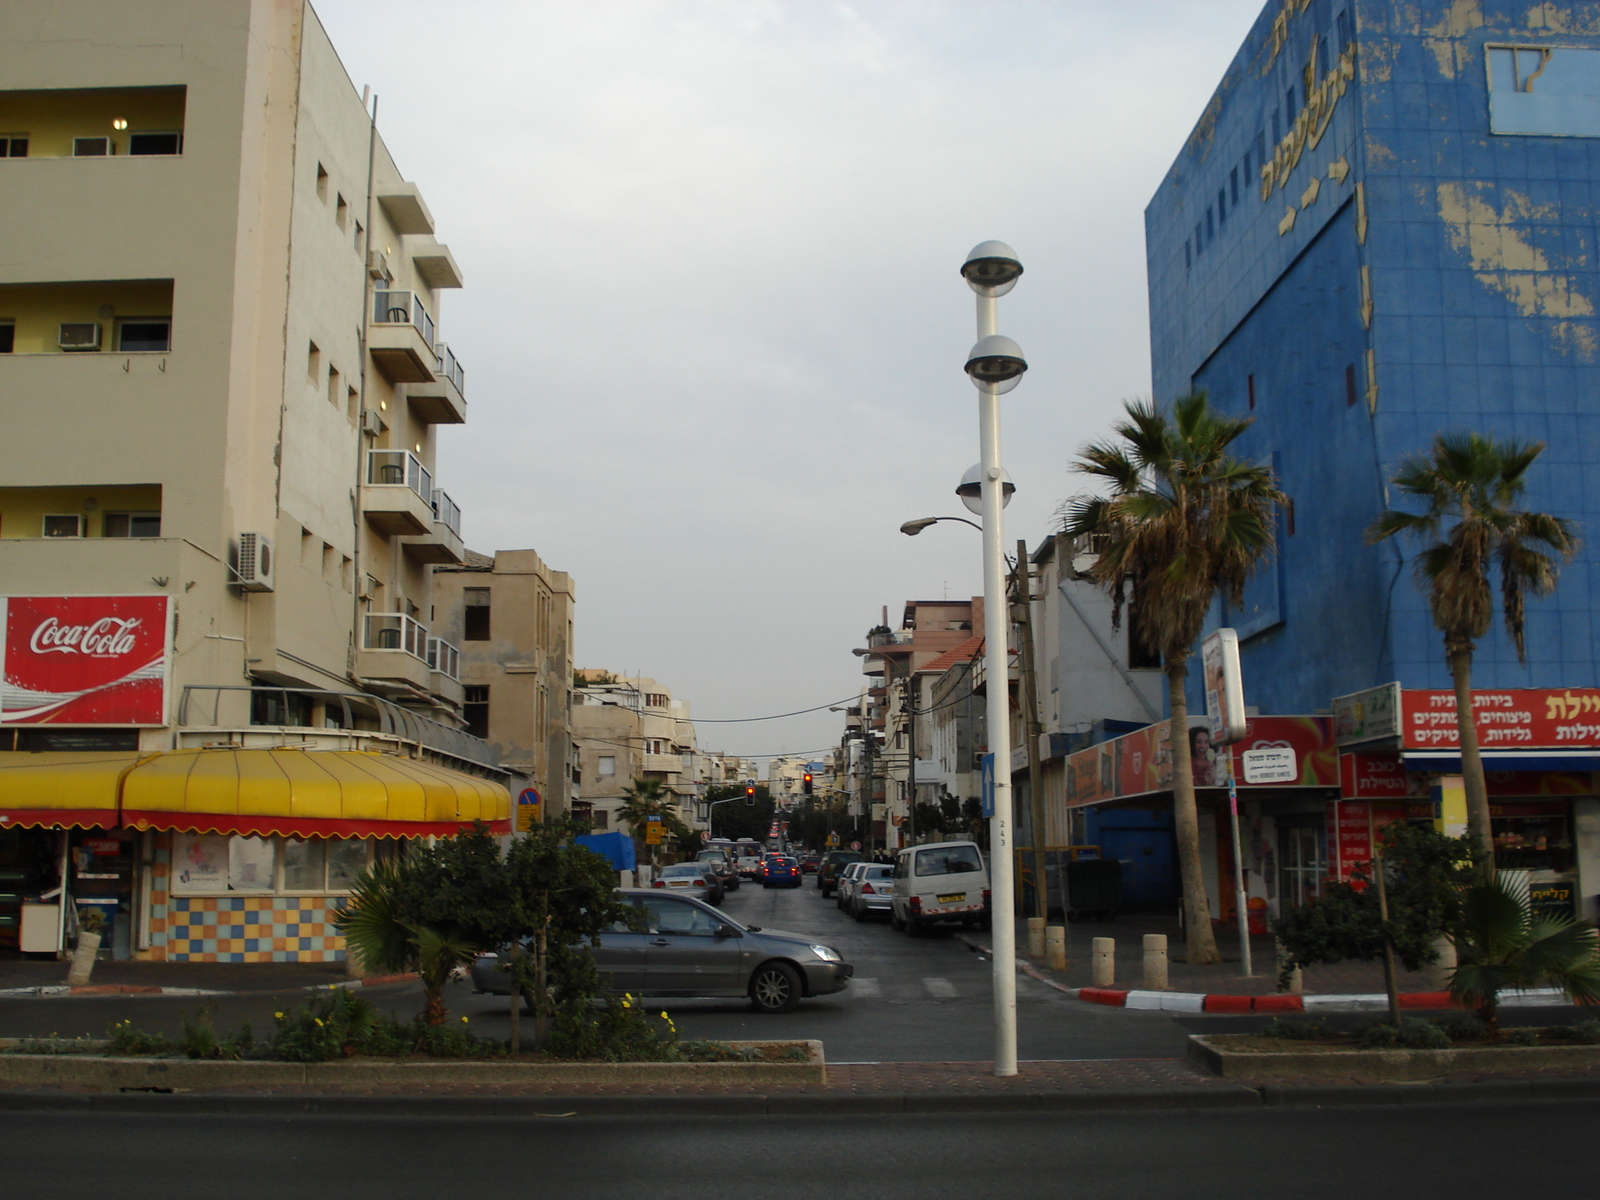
(302, 827)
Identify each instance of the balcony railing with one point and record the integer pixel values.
(403, 308)
(446, 512)
(395, 631)
(450, 367)
(401, 468)
(444, 658)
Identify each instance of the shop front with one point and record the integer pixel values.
(216, 855)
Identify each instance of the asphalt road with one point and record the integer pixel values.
(1310, 1154)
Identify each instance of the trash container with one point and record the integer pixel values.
(1094, 889)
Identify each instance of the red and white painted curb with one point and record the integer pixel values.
(1203, 1002)
(133, 989)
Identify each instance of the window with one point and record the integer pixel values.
(341, 212)
(607, 765)
(91, 147)
(322, 183)
(1211, 231)
(155, 143)
(13, 145)
(1350, 385)
(63, 525)
(314, 362)
(335, 386)
(1188, 255)
(8, 337)
(1199, 239)
(1553, 90)
(213, 863)
(475, 603)
(1246, 166)
(1233, 180)
(600, 819)
(656, 700)
(1342, 28)
(132, 524)
(143, 335)
(1250, 389)
(475, 709)
(1222, 206)
(1142, 656)
(1277, 130)
(344, 572)
(1289, 109)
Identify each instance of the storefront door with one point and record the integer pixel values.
(1302, 859)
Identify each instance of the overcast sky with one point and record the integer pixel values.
(713, 324)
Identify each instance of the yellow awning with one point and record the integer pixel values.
(308, 793)
(65, 788)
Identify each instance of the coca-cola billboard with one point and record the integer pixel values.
(84, 660)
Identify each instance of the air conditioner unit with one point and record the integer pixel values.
(378, 265)
(79, 335)
(371, 422)
(254, 572)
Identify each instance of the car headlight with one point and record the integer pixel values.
(826, 953)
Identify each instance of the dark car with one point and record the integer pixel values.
(832, 863)
(809, 863)
(779, 870)
(681, 947)
(723, 867)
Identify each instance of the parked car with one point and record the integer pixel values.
(679, 946)
(941, 883)
(809, 863)
(833, 862)
(780, 871)
(693, 879)
(846, 876)
(866, 890)
(722, 866)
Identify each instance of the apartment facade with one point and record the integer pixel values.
(221, 383)
(629, 729)
(1381, 229)
(512, 617)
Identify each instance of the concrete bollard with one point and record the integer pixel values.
(1035, 937)
(1055, 947)
(1155, 962)
(1439, 971)
(1103, 967)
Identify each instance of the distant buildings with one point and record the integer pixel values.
(629, 730)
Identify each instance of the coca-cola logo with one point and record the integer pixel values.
(108, 637)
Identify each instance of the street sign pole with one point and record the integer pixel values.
(1243, 914)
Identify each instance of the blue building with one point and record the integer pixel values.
(1383, 226)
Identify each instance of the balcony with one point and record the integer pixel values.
(442, 543)
(444, 662)
(397, 496)
(442, 400)
(401, 338)
(394, 648)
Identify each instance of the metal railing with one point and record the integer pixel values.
(444, 658)
(394, 631)
(450, 367)
(445, 511)
(400, 468)
(403, 308)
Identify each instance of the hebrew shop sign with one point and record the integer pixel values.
(84, 660)
(1511, 718)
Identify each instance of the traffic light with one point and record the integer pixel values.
(750, 794)
(806, 782)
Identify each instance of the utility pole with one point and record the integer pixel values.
(912, 699)
(1022, 580)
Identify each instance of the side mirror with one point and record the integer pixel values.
(727, 931)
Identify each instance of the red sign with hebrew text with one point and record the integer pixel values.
(84, 660)
(1509, 719)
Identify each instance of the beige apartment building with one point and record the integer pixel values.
(222, 378)
(512, 617)
(628, 729)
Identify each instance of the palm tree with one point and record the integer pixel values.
(646, 798)
(1184, 520)
(1471, 486)
(1502, 945)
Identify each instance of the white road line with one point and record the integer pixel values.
(940, 989)
(870, 988)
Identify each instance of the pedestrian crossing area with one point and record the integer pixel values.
(933, 987)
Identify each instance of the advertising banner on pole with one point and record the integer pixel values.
(1219, 656)
(84, 660)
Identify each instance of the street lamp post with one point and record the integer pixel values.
(995, 365)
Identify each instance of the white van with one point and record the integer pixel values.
(940, 883)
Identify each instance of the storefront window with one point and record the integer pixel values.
(1532, 837)
(208, 864)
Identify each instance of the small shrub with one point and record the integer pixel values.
(1411, 1034)
(331, 1026)
(125, 1039)
(1522, 1036)
(1462, 1026)
(1587, 1032)
(1299, 1029)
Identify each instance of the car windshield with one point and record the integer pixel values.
(877, 871)
(948, 860)
(683, 869)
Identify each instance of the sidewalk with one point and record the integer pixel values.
(1224, 978)
(32, 976)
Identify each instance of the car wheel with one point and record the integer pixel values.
(915, 927)
(859, 913)
(775, 988)
(895, 922)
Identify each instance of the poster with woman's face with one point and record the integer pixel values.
(1202, 759)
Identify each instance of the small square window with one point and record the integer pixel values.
(63, 525)
(322, 183)
(155, 143)
(8, 337)
(145, 335)
(132, 524)
(91, 147)
(608, 764)
(14, 145)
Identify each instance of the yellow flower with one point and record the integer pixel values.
(278, 1015)
(318, 1020)
(463, 1020)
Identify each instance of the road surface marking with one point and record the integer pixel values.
(940, 989)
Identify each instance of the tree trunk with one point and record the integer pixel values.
(516, 997)
(1200, 943)
(541, 988)
(1472, 760)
